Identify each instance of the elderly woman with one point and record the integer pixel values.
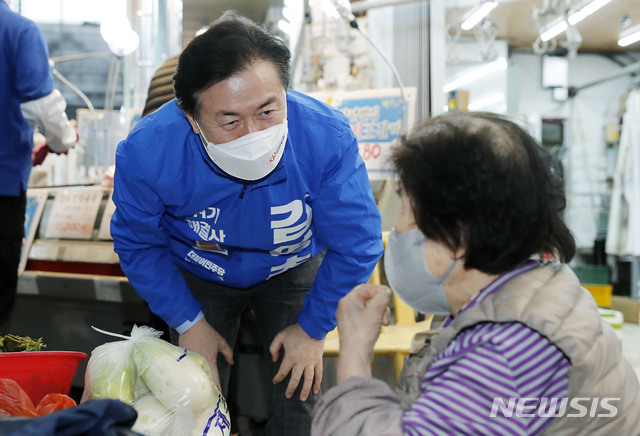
(523, 349)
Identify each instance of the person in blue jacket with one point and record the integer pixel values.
(27, 98)
(243, 193)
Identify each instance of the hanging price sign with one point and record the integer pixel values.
(73, 213)
(377, 117)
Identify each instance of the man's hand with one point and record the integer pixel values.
(360, 316)
(204, 340)
(302, 357)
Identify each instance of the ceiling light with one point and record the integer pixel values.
(286, 27)
(477, 13)
(329, 9)
(119, 36)
(343, 8)
(586, 10)
(487, 101)
(629, 36)
(475, 74)
(289, 14)
(295, 5)
(559, 25)
(553, 29)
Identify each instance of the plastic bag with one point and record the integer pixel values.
(14, 401)
(171, 388)
(111, 372)
(51, 403)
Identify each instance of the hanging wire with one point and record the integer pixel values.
(396, 75)
(353, 22)
(75, 89)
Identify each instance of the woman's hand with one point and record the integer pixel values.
(360, 315)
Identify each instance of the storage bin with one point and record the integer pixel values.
(593, 274)
(601, 293)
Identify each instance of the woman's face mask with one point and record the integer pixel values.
(409, 276)
(252, 156)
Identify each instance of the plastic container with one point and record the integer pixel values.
(615, 319)
(41, 372)
(593, 274)
(601, 293)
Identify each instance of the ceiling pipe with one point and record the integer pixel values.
(629, 69)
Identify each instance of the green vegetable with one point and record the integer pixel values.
(13, 343)
(112, 372)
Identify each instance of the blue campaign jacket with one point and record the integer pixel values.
(175, 207)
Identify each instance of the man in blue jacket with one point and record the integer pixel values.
(241, 193)
(27, 98)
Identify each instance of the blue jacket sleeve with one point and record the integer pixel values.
(348, 223)
(142, 245)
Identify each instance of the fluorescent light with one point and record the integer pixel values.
(344, 10)
(476, 14)
(119, 36)
(286, 27)
(554, 28)
(487, 101)
(294, 5)
(329, 9)
(288, 13)
(629, 36)
(559, 25)
(587, 10)
(475, 74)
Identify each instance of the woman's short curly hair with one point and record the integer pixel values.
(480, 182)
(232, 44)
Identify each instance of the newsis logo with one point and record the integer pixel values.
(576, 407)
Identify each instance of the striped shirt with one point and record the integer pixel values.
(488, 361)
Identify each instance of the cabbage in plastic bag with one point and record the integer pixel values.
(171, 388)
(112, 372)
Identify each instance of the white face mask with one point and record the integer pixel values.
(409, 276)
(252, 156)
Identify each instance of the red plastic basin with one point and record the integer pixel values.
(41, 372)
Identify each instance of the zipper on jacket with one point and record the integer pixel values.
(243, 191)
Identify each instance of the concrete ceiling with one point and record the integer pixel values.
(514, 19)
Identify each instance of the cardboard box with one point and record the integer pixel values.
(629, 307)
